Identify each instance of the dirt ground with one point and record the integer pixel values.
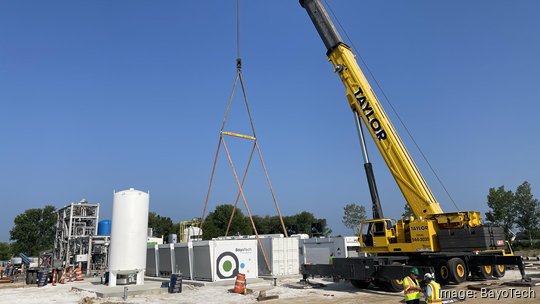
(375, 296)
(287, 289)
(345, 293)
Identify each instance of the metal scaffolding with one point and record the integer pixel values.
(77, 224)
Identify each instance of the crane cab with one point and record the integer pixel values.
(407, 235)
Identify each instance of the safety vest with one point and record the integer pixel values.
(410, 294)
(435, 296)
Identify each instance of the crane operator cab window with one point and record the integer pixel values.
(378, 233)
(367, 238)
(379, 229)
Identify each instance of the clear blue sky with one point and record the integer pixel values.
(104, 95)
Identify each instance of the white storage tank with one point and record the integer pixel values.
(192, 234)
(127, 260)
(172, 238)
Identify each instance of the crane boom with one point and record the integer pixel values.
(363, 101)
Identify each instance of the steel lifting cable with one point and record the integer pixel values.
(392, 107)
(217, 152)
(261, 158)
(246, 205)
(242, 185)
(231, 163)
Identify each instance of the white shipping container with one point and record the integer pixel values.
(346, 246)
(218, 260)
(282, 254)
(318, 250)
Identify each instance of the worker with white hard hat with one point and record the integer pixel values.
(433, 289)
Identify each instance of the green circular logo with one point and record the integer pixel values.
(227, 266)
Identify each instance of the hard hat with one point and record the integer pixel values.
(429, 276)
(415, 271)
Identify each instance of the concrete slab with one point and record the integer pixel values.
(104, 291)
(206, 283)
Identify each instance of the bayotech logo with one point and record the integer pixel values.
(242, 249)
(374, 123)
(227, 265)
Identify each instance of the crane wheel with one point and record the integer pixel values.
(360, 284)
(397, 284)
(499, 271)
(484, 272)
(391, 285)
(458, 270)
(442, 272)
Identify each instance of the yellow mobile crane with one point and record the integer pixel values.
(454, 244)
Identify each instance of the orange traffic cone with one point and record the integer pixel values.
(78, 274)
(53, 283)
(70, 274)
(240, 283)
(63, 277)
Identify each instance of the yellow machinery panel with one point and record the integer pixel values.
(406, 236)
(424, 235)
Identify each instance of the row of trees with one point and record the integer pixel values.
(216, 223)
(34, 230)
(518, 209)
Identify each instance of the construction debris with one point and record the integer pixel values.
(263, 297)
(523, 283)
(484, 286)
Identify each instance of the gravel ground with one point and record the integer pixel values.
(340, 292)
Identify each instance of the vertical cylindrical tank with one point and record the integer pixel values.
(104, 227)
(128, 235)
(172, 238)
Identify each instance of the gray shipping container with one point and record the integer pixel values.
(183, 255)
(152, 263)
(166, 260)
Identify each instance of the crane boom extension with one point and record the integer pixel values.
(363, 101)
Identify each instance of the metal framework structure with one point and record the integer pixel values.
(98, 260)
(77, 224)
